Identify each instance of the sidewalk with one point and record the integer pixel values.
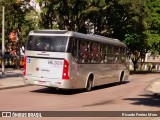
(11, 79)
(154, 88)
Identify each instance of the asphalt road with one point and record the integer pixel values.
(130, 96)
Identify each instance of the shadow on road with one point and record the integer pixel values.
(147, 100)
(74, 91)
(144, 72)
(109, 85)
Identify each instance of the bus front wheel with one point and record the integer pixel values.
(121, 78)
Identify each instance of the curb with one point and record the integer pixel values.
(10, 87)
(154, 88)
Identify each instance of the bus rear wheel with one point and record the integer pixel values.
(89, 85)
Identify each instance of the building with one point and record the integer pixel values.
(152, 62)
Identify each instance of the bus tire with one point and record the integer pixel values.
(89, 84)
(121, 78)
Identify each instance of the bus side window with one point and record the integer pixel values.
(122, 55)
(110, 56)
(74, 49)
(103, 53)
(94, 52)
(84, 52)
(116, 54)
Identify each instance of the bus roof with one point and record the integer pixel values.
(91, 37)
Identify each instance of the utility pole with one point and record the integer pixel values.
(3, 41)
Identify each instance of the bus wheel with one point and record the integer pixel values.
(121, 78)
(89, 85)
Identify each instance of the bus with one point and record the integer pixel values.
(70, 60)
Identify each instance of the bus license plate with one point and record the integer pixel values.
(42, 83)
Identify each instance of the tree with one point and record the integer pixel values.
(136, 36)
(65, 14)
(135, 22)
(16, 20)
(77, 15)
(154, 30)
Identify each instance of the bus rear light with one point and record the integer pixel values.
(65, 74)
(24, 66)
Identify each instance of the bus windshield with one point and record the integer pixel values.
(47, 43)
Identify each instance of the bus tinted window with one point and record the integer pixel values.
(47, 43)
(94, 52)
(103, 53)
(84, 53)
(110, 54)
(74, 48)
(117, 54)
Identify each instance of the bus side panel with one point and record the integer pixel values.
(106, 74)
(103, 74)
(78, 77)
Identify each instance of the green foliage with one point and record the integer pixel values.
(132, 41)
(154, 30)
(17, 18)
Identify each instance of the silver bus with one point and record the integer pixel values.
(71, 60)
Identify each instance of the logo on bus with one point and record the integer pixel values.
(28, 60)
(37, 69)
